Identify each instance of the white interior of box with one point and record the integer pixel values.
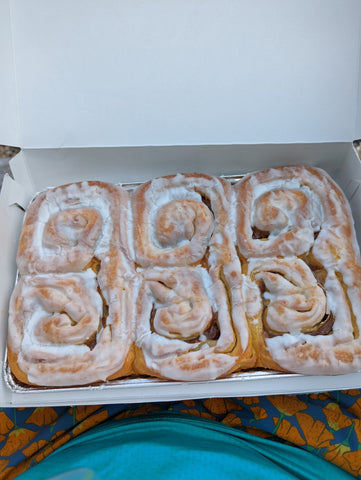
(186, 72)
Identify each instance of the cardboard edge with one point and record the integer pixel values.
(139, 163)
(357, 135)
(9, 118)
(23, 185)
(175, 391)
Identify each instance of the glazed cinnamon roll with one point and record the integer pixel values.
(181, 220)
(295, 234)
(184, 234)
(71, 312)
(68, 227)
(184, 326)
(69, 329)
(280, 210)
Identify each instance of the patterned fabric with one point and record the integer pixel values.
(326, 424)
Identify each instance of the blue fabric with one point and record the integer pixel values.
(180, 447)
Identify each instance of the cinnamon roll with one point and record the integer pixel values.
(68, 227)
(71, 312)
(281, 210)
(69, 329)
(296, 238)
(183, 219)
(184, 234)
(184, 326)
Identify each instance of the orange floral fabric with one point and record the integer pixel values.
(327, 424)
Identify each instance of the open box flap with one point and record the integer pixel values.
(37, 169)
(9, 128)
(173, 73)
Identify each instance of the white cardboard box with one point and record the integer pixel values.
(127, 90)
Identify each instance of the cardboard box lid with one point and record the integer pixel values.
(139, 72)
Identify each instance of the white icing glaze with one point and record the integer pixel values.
(334, 250)
(66, 227)
(177, 221)
(67, 359)
(181, 349)
(162, 240)
(285, 201)
(294, 300)
(52, 348)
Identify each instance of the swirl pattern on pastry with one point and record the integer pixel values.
(61, 333)
(280, 211)
(294, 302)
(335, 348)
(66, 227)
(181, 219)
(187, 221)
(184, 327)
(71, 311)
(308, 273)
